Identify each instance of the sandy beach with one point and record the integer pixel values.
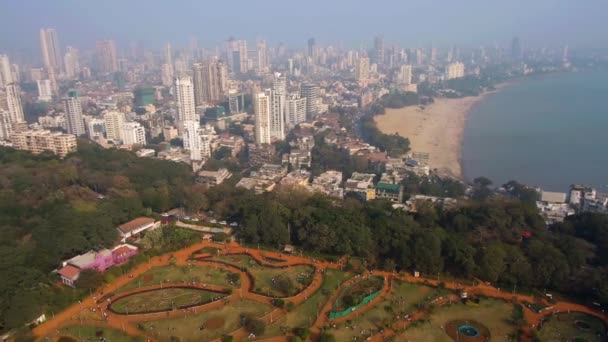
(436, 129)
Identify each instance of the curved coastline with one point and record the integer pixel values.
(437, 129)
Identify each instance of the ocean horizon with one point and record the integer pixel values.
(547, 130)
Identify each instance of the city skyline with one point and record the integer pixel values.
(434, 23)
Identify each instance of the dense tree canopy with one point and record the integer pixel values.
(52, 209)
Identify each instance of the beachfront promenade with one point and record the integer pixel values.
(101, 300)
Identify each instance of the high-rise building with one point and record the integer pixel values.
(71, 59)
(261, 109)
(6, 72)
(186, 108)
(262, 56)
(454, 70)
(210, 81)
(107, 59)
(198, 140)
(96, 127)
(362, 69)
(166, 74)
(51, 52)
(13, 102)
(311, 93)
(379, 50)
(5, 125)
(113, 122)
(295, 109)
(311, 48)
(236, 101)
(45, 90)
(73, 114)
(516, 52)
(277, 104)
(133, 133)
(168, 54)
(198, 70)
(405, 74)
(236, 53)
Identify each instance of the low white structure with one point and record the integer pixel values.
(136, 226)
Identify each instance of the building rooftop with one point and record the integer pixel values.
(69, 272)
(393, 188)
(134, 224)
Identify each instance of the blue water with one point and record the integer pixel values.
(550, 131)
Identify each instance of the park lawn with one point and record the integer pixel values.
(188, 328)
(493, 313)
(263, 279)
(358, 291)
(402, 299)
(173, 273)
(88, 333)
(238, 260)
(263, 275)
(305, 314)
(163, 300)
(207, 249)
(561, 327)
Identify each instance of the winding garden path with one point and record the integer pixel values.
(73, 315)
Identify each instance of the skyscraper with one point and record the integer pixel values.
(51, 52)
(168, 54)
(236, 54)
(73, 114)
(5, 125)
(186, 108)
(210, 81)
(277, 103)
(262, 111)
(379, 50)
(362, 69)
(107, 61)
(13, 102)
(263, 56)
(516, 52)
(405, 74)
(311, 48)
(199, 88)
(166, 74)
(295, 109)
(311, 93)
(45, 91)
(6, 73)
(113, 122)
(71, 59)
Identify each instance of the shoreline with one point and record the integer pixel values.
(437, 129)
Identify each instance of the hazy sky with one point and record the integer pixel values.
(579, 23)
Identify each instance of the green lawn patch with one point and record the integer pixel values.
(355, 293)
(305, 314)
(170, 273)
(90, 333)
(205, 326)
(163, 300)
(574, 326)
(492, 313)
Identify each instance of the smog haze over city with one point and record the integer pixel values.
(414, 22)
